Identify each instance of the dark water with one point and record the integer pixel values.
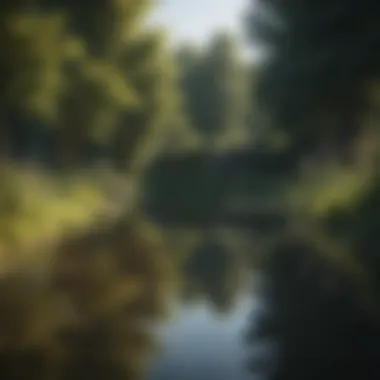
(200, 344)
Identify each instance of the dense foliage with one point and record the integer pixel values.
(318, 86)
(81, 84)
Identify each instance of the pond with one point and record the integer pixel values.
(172, 305)
(203, 345)
(204, 336)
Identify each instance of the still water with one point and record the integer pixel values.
(196, 291)
(201, 344)
(204, 338)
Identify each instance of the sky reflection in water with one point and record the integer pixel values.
(200, 344)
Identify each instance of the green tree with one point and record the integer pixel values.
(214, 87)
(35, 47)
(100, 90)
(120, 87)
(314, 87)
(98, 93)
(313, 84)
(152, 70)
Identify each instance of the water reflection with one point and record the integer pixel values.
(214, 272)
(199, 344)
(204, 339)
(129, 302)
(90, 313)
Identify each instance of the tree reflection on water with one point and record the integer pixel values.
(94, 311)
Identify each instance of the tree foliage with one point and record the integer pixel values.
(320, 57)
(320, 61)
(214, 88)
(96, 75)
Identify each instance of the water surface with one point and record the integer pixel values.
(200, 344)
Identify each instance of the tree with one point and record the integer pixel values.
(100, 90)
(314, 87)
(213, 82)
(317, 67)
(148, 61)
(98, 94)
(35, 47)
(99, 76)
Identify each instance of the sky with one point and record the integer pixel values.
(197, 20)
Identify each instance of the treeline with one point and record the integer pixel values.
(215, 83)
(87, 84)
(238, 156)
